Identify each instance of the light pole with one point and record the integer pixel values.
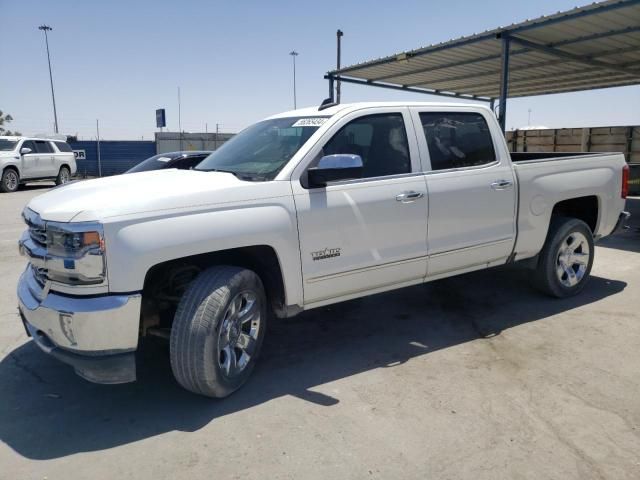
(46, 28)
(339, 35)
(294, 54)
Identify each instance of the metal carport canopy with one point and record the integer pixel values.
(590, 47)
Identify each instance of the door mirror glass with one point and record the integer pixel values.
(25, 150)
(341, 166)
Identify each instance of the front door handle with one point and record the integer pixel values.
(407, 197)
(501, 184)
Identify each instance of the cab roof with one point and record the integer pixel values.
(328, 112)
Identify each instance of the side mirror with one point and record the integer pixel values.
(25, 150)
(342, 166)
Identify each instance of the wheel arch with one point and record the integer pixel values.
(12, 166)
(585, 208)
(262, 259)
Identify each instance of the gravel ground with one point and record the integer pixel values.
(473, 377)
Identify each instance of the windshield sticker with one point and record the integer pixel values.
(310, 122)
(163, 159)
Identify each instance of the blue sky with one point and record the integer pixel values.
(118, 61)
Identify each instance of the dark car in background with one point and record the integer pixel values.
(179, 160)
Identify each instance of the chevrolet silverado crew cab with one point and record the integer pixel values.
(24, 159)
(303, 209)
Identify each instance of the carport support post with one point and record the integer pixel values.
(504, 80)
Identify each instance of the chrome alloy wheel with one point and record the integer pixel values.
(573, 259)
(11, 180)
(64, 176)
(238, 333)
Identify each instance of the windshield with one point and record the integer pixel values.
(7, 145)
(152, 163)
(260, 151)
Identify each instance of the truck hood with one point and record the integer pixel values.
(154, 191)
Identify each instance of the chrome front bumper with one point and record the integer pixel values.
(97, 335)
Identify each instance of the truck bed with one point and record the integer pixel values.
(545, 179)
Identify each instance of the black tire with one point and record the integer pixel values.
(201, 328)
(548, 276)
(10, 181)
(64, 176)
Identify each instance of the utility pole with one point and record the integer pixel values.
(529, 118)
(180, 118)
(45, 29)
(294, 54)
(339, 35)
(98, 139)
(215, 143)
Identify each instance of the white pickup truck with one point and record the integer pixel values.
(303, 209)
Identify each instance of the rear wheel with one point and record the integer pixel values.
(10, 181)
(64, 175)
(565, 262)
(218, 330)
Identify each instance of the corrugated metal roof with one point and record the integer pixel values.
(595, 46)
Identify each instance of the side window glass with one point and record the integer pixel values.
(29, 144)
(188, 163)
(380, 140)
(63, 147)
(457, 140)
(43, 146)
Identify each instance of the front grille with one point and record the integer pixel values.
(40, 275)
(38, 235)
(37, 228)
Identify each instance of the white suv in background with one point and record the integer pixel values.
(24, 159)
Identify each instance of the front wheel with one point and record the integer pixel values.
(218, 330)
(566, 259)
(64, 175)
(10, 181)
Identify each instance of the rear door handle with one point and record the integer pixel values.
(407, 197)
(501, 184)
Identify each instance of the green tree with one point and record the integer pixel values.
(6, 118)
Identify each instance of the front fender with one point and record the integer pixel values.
(134, 246)
(10, 162)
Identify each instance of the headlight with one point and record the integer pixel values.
(75, 253)
(65, 243)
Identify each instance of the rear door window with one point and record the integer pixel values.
(457, 140)
(63, 147)
(42, 146)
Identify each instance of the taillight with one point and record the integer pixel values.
(625, 182)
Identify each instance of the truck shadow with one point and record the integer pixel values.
(47, 412)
